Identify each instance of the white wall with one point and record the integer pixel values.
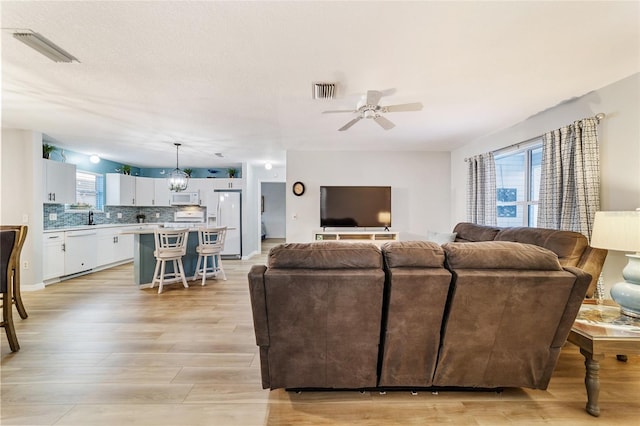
(274, 214)
(21, 196)
(619, 136)
(420, 194)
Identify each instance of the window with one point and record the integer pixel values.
(89, 192)
(518, 186)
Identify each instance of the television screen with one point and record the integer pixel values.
(364, 206)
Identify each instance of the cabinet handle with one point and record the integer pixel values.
(64, 247)
(54, 196)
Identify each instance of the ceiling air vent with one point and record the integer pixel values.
(324, 90)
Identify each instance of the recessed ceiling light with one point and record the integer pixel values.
(94, 159)
(44, 46)
(268, 166)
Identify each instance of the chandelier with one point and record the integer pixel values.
(178, 180)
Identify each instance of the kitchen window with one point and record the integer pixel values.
(89, 192)
(518, 185)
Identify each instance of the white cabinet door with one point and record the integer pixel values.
(228, 183)
(161, 192)
(59, 182)
(105, 253)
(123, 247)
(80, 251)
(112, 246)
(201, 186)
(121, 190)
(145, 191)
(53, 255)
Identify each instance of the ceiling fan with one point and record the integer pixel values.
(369, 108)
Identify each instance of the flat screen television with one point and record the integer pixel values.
(349, 206)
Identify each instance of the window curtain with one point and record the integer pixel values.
(481, 189)
(570, 180)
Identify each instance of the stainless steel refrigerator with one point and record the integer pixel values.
(229, 214)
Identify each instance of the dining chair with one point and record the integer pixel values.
(17, 296)
(9, 241)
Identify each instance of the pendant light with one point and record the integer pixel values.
(178, 180)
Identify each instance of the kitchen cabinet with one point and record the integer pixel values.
(161, 196)
(121, 190)
(228, 183)
(113, 247)
(80, 251)
(59, 182)
(145, 191)
(201, 186)
(53, 255)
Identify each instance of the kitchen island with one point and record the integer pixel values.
(144, 262)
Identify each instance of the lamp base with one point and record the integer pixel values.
(627, 293)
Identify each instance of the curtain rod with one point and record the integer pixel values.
(599, 117)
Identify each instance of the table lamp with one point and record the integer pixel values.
(621, 231)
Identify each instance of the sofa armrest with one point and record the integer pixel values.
(591, 262)
(573, 305)
(258, 304)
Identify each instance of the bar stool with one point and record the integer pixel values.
(9, 241)
(16, 295)
(171, 245)
(210, 244)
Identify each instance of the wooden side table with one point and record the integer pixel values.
(601, 329)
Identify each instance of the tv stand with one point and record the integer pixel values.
(376, 237)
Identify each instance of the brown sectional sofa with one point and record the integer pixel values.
(483, 314)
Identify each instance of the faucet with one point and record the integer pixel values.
(91, 218)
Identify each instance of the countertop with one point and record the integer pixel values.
(106, 225)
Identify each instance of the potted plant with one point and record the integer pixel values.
(232, 172)
(47, 150)
(126, 169)
(188, 172)
(141, 217)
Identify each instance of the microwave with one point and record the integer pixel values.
(185, 199)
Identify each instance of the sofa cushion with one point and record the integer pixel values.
(471, 232)
(568, 245)
(325, 255)
(413, 254)
(500, 255)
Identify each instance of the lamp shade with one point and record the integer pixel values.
(617, 231)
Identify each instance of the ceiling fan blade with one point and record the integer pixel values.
(416, 106)
(373, 97)
(349, 124)
(339, 110)
(383, 122)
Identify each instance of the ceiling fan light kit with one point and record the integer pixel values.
(370, 108)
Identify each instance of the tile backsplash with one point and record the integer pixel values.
(65, 219)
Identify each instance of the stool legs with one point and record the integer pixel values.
(203, 269)
(159, 273)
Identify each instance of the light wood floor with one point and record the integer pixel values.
(98, 351)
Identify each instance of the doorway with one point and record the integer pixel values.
(273, 211)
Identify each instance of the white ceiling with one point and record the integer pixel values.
(236, 77)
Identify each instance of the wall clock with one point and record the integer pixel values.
(298, 188)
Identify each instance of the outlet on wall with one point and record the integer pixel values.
(157, 215)
(25, 264)
(119, 215)
(108, 215)
(53, 216)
